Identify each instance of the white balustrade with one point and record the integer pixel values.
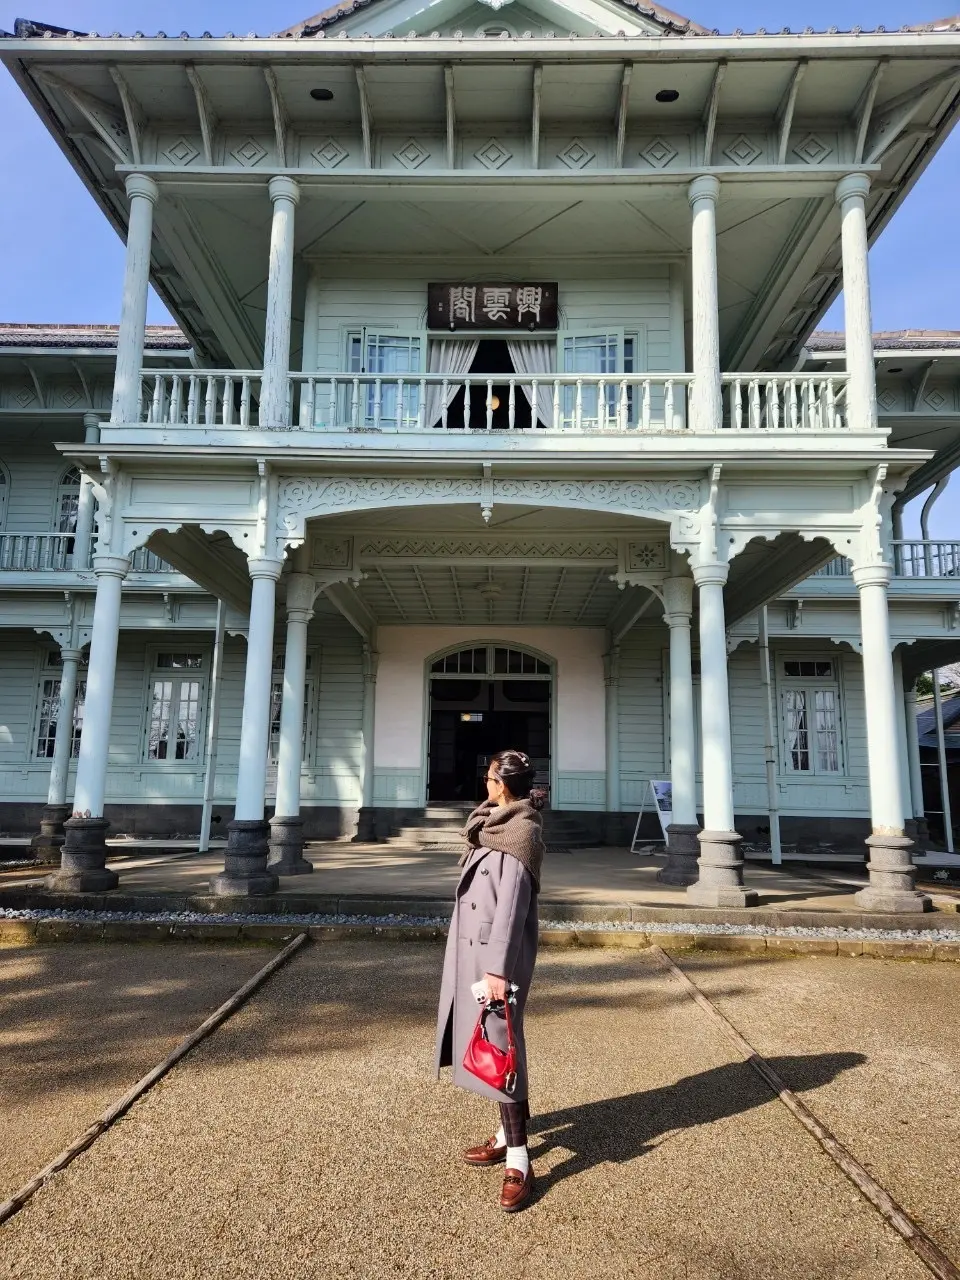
(785, 402)
(207, 398)
(35, 552)
(40, 552)
(564, 403)
(926, 559)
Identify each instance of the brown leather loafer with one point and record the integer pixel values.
(517, 1190)
(488, 1153)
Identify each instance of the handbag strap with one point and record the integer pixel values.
(511, 1042)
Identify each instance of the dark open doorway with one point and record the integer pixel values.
(493, 358)
(471, 719)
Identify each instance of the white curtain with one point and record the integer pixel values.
(453, 357)
(534, 357)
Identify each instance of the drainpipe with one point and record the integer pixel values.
(769, 744)
(213, 727)
(938, 488)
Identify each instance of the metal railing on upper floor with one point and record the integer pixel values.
(911, 559)
(560, 403)
(56, 552)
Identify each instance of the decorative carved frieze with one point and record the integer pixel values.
(646, 555)
(249, 153)
(742, 150)
(329, 154)
(180, 152)
(812, 149)
(331, 553)
(302, 498)
(576, 154)
(658, 153)
(407, 548)
(411, 155)
(493, 154)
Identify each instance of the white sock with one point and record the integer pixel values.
(500, 1138)
(518, 1159)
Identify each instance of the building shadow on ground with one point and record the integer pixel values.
(616, 1130)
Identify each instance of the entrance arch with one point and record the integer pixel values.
(481, 698)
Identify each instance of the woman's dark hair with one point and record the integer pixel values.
(517, 773)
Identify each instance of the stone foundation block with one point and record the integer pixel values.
(683, 850)
(69, 930)
(135, 931)
(720, 868)
(47, 846)
(83, 858)
(672, 941)
(199, 932)
(245, 873)
(286, 848)
(892, 877)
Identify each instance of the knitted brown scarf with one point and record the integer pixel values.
(514, 828)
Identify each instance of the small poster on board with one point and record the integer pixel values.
(661, 791)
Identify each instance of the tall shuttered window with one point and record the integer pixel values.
(276, 704)
(68, 501)
(810, 716)
(175, 710)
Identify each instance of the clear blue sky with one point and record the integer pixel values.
(63, 262)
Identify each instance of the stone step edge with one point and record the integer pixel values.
(32, 932)
(557, 911)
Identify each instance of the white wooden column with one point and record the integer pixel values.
(46, 846)
(611, 679)
(83, 865)
(706, 400)
(891, 870)
(214, 700)
(286, 826)
(86, 504)
(913, 752)
(143, 193)
(274, 406)
(370, 661)
(62, 747)
(245, 871)
(720, 882)
(902, 743)
(682, 849)
(851, 195)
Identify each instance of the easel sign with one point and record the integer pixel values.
(661, 792)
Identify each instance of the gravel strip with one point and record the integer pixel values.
(443, 922)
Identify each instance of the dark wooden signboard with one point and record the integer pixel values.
(492, 306)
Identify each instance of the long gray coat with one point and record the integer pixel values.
(493, 930)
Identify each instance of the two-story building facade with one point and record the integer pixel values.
(498, 419)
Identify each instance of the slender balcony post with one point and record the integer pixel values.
(285, 194)
(83, 864)
(851, 196)
(683, 849)
(47, 846)
(892, 873)
(611, 679)
(366, 824)
(706, 399)
(720, 882)
(286, 826)
(913, 758)
(245, 871)
(143, 193)
(903, 742)
(83, 534)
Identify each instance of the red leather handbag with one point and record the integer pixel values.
(486, 1061)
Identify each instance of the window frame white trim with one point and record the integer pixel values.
(4, 494)
(62, 491)
(810, 684)
(151, 673)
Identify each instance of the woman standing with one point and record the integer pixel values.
(493, 939)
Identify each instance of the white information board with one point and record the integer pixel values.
(661, 793)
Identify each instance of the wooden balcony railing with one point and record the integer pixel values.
(44, 552)
(561, 403)
(785, 402)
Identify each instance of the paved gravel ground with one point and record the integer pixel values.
(307, 1138)
(900, 1113)
(79, 1024)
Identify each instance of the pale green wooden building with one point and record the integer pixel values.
(496, 415)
